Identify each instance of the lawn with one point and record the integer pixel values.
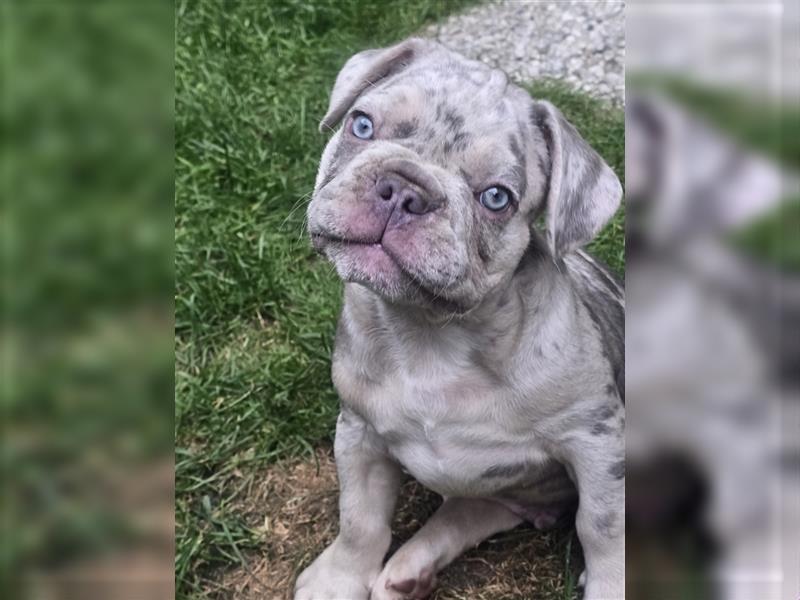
(255, 308)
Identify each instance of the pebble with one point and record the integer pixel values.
(580, 43)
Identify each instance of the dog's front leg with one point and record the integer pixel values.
(459, 524)
(369, 482)
(598, 466)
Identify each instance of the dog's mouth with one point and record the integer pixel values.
(368, 255)
(371, 262)
(320, 240)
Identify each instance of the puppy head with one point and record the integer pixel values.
(428, 192)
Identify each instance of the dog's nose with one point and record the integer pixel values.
(411, 200)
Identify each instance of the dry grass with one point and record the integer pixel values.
(295, 508)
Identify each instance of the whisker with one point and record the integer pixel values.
(300, 201)
(303, 229)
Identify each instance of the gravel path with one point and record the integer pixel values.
(582, 43)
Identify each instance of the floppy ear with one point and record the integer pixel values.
(364, 70)
(583, 193)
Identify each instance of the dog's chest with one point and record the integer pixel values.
(450, 424)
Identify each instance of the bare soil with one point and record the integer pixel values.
(295, 506)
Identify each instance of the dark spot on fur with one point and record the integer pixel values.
(617, 470)
(498, 471)
(601, 429)
(611, 389)
(485, 365)
(483, 249)
(453, 120)
(544, 168)
(609, 279)
(343, 153)
(521, 167)
(405, 129)
(520, 179)
(609, 319)
(602, 413)
(458, 142)
(605, 522)
(535, 254)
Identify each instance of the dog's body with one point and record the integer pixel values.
(714, 376)
(484, 360)
(451, 401)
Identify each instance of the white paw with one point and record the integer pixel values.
(333, 577)
(404, 577)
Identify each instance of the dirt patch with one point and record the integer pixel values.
(295, 506)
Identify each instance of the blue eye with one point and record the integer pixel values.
(362, 127)
(495, 198)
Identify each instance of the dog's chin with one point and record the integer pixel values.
(367, 264)
(374, 267)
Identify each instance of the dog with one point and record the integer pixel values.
(478, 354)
(711, 372)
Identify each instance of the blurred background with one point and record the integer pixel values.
(713, 300)
(87, 321)
(90, 396)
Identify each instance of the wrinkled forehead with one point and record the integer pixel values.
(460, 91)
(457, 113)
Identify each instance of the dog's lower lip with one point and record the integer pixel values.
(339, 240)
(435, 298)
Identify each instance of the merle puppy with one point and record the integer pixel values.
(480, 356)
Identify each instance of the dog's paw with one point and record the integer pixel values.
(399, 582)
(330, 579)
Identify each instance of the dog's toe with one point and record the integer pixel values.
(403, 587)
(416, 588)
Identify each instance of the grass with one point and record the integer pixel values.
(87, 253)
(255, 308)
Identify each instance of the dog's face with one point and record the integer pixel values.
(428, 191)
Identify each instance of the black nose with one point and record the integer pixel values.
(399, 190)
